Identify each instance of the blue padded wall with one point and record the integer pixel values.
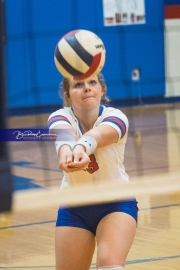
(35, 26)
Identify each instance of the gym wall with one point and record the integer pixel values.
(34, 28)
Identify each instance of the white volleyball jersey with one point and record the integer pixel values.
(106, 162)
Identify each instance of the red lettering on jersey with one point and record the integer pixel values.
(93, 166)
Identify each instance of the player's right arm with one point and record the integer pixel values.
(65, 138)
(64, 152)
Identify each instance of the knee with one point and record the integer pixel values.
(110, 260)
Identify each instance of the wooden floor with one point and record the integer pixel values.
(152, 152)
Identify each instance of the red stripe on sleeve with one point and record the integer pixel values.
(118, 121)
(56, 118)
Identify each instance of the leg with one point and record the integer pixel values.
(74, 248)
(115, 234)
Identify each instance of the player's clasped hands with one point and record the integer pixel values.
(73, 160)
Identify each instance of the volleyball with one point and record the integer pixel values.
(79, 55)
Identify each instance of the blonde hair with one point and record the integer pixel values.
(64, 90)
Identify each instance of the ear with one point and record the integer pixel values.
(67, 99)
(102, 93)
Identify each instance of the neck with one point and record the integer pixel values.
(86, 117)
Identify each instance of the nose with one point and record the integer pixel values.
(87, 87)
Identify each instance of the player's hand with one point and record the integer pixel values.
(66, 157)
(71, 161)
(80, 159)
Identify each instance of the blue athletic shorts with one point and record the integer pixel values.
(88, 217)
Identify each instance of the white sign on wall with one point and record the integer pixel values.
(123, 12)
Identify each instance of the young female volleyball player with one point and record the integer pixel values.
(90, 146)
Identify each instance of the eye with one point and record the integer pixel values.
(93, 82)
(78, 85)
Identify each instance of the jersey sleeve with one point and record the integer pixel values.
(118, 120)
(58, 118)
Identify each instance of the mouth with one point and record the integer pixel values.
(87, 97)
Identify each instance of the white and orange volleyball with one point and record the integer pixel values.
(80, 54)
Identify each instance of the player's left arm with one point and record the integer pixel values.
(97, 137)
(112, 128)
(104, 135)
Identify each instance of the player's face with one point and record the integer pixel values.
(86, 93)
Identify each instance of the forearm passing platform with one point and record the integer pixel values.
(89, 143)
(64, 139)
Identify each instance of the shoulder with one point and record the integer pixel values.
(116, 118)
(63, 111)
(113, 112)
(60, 116)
